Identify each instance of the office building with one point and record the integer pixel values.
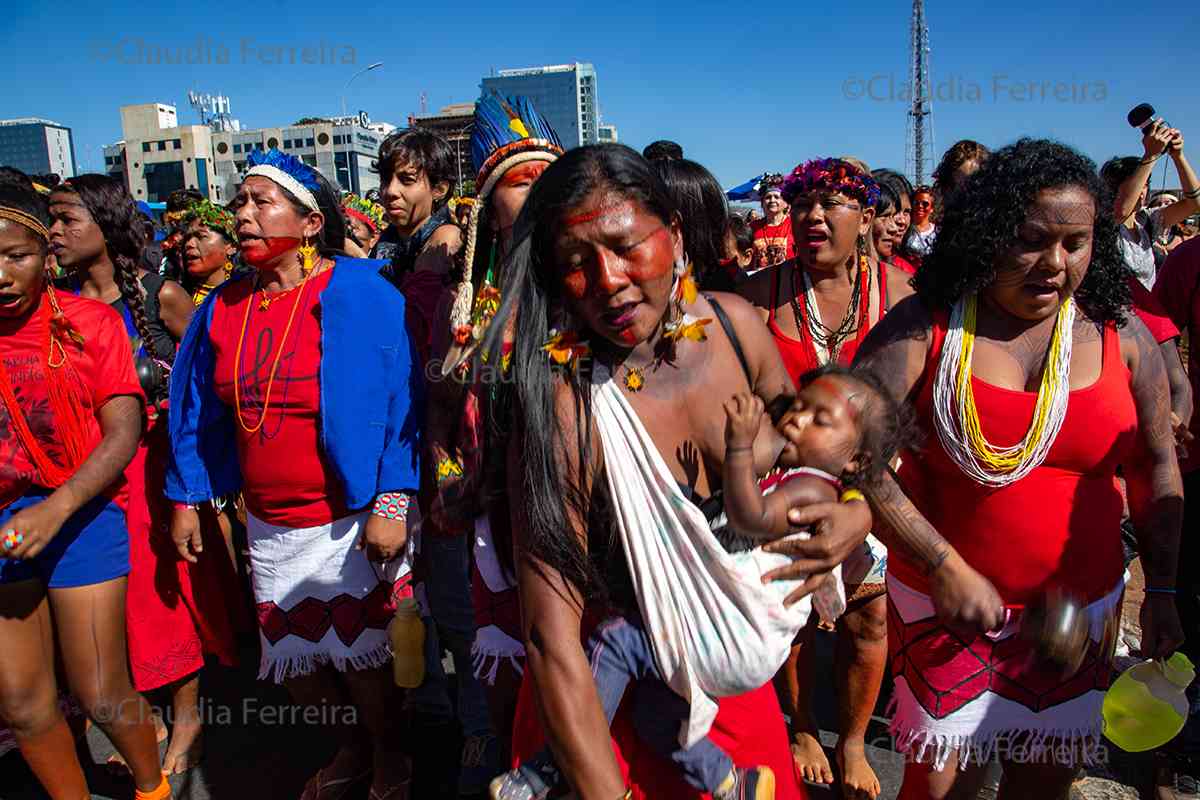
(37, 147)
(455, 122)
(343, 153)
(158, 156)
(564, 94)
(608, 133)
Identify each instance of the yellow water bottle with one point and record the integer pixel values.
(1145, 707)
(408, 645)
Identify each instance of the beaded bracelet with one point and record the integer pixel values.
(1158, 590)
(447, 468)
(852, 494)
(391, 505)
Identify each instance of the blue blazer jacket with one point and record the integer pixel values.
(371, 386)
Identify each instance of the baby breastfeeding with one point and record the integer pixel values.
(709, 625)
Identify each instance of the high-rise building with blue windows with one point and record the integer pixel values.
(565, 94)
(37, 147)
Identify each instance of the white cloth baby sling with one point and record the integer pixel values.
(716, 629)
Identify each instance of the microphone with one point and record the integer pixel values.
(1142, 117)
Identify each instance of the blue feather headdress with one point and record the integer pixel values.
(507, 132)
(504, 126)
(289, 172)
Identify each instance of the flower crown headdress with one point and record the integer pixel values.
(370, 214)
(212, 216)
(831, 175)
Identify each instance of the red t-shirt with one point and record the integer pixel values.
(773, 244)
(103, 369)
(1151, 312)
(1177, 288)
(286, 477)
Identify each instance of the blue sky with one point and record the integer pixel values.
(744, 87)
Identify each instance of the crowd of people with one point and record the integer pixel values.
(628, 449)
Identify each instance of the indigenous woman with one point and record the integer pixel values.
(1020, 352)
(296, 385)
(704, 214)
(174, 615)
(209, 245)
(832, 278)
(890, 225)
(364, 221)
(598, 286)
(511, 145)
(71, 419)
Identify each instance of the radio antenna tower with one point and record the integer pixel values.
(919, 141)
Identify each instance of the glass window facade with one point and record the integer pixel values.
(567, 99)
(162, 179)
(36, 148)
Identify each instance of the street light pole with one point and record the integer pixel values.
(458, 137)
(376, 65)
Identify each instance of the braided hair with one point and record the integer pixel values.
(114, 212)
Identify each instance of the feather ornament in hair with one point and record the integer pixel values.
(289, 164)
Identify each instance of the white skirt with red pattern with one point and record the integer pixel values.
(320, 601)
(989, 695)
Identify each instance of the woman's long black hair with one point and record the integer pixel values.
(703, 211)
(533, 304)
(113, 209)
(982, 219)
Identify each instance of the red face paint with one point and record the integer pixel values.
(592, 216)
(261, 252)
(528, 172)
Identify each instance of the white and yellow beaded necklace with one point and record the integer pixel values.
(957, 419)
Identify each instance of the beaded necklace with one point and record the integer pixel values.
(828, 341)
(237, 354)
(957, 419)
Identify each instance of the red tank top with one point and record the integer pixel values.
(1061, 523)
(800, 355)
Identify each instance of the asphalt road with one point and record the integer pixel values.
(254, 756)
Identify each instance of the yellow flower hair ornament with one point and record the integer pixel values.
(565, 348)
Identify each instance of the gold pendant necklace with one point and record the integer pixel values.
(635, 379)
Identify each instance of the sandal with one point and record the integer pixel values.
(316, 786)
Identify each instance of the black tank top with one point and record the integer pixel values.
(161, 345)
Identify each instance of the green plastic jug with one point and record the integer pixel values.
(1145, 707)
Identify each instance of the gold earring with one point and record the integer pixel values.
(306, 254)
(228, 268)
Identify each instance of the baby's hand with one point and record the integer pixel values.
(743, 416)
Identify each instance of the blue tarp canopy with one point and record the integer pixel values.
(748, 190)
